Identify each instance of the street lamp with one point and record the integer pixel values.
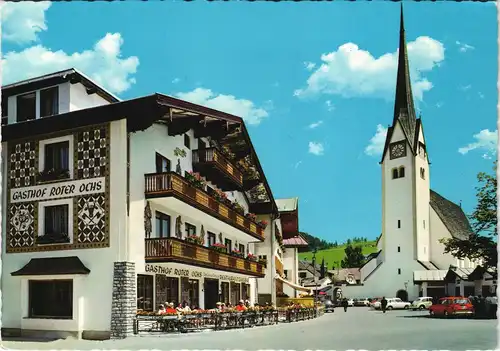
(315, 250)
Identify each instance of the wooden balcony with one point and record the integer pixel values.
(217, 168)
(180, 251)
(279, 266)
(171, 184)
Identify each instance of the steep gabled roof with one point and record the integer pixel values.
(452, 215)
(287, 205)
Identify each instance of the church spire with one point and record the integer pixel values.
(404, 109)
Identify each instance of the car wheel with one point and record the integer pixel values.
(445, 314)
(407, 307)
(389, 308)
(421, 307)
(431, 313)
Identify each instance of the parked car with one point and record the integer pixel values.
(422, 303)
(375, 303)
(350, 302)
(452, 307)
(329, 306)
(396, 303)
(365, 302)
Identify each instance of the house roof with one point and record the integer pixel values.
(428, 265)
(306, 266)
(312, 282)
(434, 275)
(68, 75)
(51, 266)
(452, 215)
(287, 205)
(371, 257)
(295, 241)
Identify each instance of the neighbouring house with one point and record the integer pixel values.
(345, 276)
(113, 206)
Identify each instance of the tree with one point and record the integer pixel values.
(482, 243)
(322, 270)
(353, 257)
(348, 242)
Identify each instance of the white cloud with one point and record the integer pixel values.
(316, 148)
(175, 80)
(22, 21)
(329, 106)
(351, 71)
(315, 124)
(309, 65)
(463, 47)
(104, 63)
(228, 103)
(376, 145)
(485, 140)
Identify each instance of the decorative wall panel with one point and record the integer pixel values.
(90, 212)
(23, 160)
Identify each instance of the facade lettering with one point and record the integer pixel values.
(193, 274)
(58, 190)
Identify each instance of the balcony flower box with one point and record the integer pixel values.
(220, 196)
(49, 175)
(219, 248)
(238, 208)
(237, 253)
(262, 224)
(251, 216)
(194, 240)
(263, 262)
(195, 179)
(252, 257)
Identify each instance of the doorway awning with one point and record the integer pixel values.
(53, 266)
(294, 286)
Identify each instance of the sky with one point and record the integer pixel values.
(313, 81)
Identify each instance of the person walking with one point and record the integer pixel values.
(383, 304)
(345, 304)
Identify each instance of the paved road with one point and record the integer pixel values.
(359, 328)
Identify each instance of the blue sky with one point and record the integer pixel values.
(314, 81)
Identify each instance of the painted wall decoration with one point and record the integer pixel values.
(23, 161)
(21, 225)
(148, 227)
(89, 190)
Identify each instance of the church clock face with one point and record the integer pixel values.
(398, 150)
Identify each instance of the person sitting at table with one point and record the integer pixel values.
(241, 306)
(185, 306)
(218, 306)
(170, 308)
(161, 309)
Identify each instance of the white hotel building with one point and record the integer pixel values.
(102, 217)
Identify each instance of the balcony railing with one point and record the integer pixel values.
(172, 184)
(279, 266)
(176, 250)
(209, 160)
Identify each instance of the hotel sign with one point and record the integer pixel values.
(58, 190)
(187, 273)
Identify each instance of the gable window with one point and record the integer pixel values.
(302, 274)
(422, 173)
(5, 110)
(241, 248)
(401, 172)
(229, 245)
(399, 270)
(399, 223)
(26, 107)
(162, 225)
(211, 239)
(399, 248)
(187, 141)
(162, 164)
(50, 299)
(190, 229)
(395, 174)
(49, 102)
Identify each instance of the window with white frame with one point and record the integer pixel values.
(56, 159)
(55, 222)
(26, 107)
(49, 102)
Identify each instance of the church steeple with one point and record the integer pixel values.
(404, 109)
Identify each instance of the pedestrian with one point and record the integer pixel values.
(383, 304)
(345, 304)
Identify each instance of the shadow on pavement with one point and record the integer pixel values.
(21, 339)
(416, 316)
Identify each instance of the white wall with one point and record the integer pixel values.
(267, 284)
(79, 99)
(290, 264)
(92, 293)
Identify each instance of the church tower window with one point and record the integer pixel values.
(399, 270)
(399, 223)
(399, 248)
(422, 173)
(401, 172)
(395, 174)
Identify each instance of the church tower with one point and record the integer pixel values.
(405, 180)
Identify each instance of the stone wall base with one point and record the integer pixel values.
(124, 300)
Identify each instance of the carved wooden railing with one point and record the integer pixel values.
(215, 156)
(172, 184)
(177, 250)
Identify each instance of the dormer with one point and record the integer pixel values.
(49, 95)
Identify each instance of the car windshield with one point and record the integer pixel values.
(461, 301)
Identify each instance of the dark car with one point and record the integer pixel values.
(329, 306)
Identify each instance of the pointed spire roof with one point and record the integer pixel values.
(404, 109)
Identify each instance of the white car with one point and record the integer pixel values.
(350, 302)
(422, 303)
(365, 302)
(397, 304)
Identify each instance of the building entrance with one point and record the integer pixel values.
(211, 293)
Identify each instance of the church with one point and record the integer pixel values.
(410, 261)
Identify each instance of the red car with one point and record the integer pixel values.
(452, 307)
